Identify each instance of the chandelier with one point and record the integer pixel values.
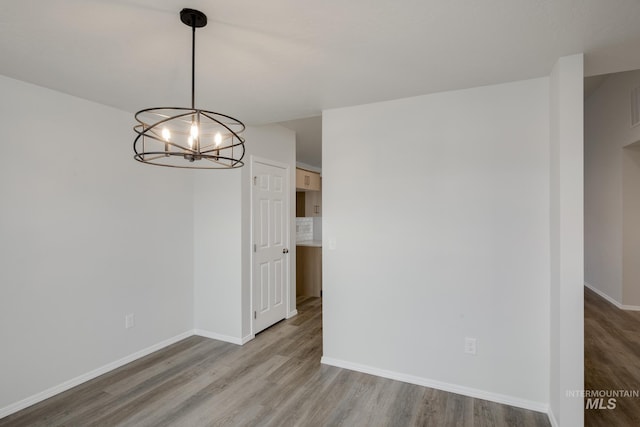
(191, 138)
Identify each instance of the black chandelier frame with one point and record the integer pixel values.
(158, 126)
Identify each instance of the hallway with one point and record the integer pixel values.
(611, 359)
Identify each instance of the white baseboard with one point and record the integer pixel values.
(50, 392)
(247, 339)
(220, 337)
(611, 300)
(292, 314)
(426, 382)
(603, 295)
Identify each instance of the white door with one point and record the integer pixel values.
(270, 236)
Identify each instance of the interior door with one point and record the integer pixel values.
(271, 237)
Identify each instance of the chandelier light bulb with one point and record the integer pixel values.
(166, 134)
(194, 131)
(217, 139)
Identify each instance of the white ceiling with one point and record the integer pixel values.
(308, 140)
(276, 60)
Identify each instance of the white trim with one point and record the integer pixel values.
(552, 419)
(611, 300)
(292, 314)
(247, 339)
(219, 337)
(426, 382)
(603, 295)
(50, 392)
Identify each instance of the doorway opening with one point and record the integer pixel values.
(612, 245)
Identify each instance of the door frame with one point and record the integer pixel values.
(288, 260)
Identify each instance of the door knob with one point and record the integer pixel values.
(285, 251)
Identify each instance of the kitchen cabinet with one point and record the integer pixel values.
(308, 203)
(308, 271)
(313, 203)
(307, 180)
(301, 199)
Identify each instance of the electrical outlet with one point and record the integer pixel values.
(129, 321)
(470, 345)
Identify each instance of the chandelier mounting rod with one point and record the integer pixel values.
(194, 19)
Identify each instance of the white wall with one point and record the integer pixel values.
(222, 224)
(438, 211)
(88, 235)
(218, 252)
(567, 248)
(607, 130)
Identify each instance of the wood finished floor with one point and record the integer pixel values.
(611, 359)
(274, 380)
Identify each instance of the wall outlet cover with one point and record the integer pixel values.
(129, 321)
(470, 346)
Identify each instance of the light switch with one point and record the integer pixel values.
(332, 243)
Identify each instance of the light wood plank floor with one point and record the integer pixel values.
(274, 380)
(611, 359)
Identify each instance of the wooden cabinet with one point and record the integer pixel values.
(309, 195)
(301, 199)
(308, 271)
(308, 203)
(307, 180)
(313, 203)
